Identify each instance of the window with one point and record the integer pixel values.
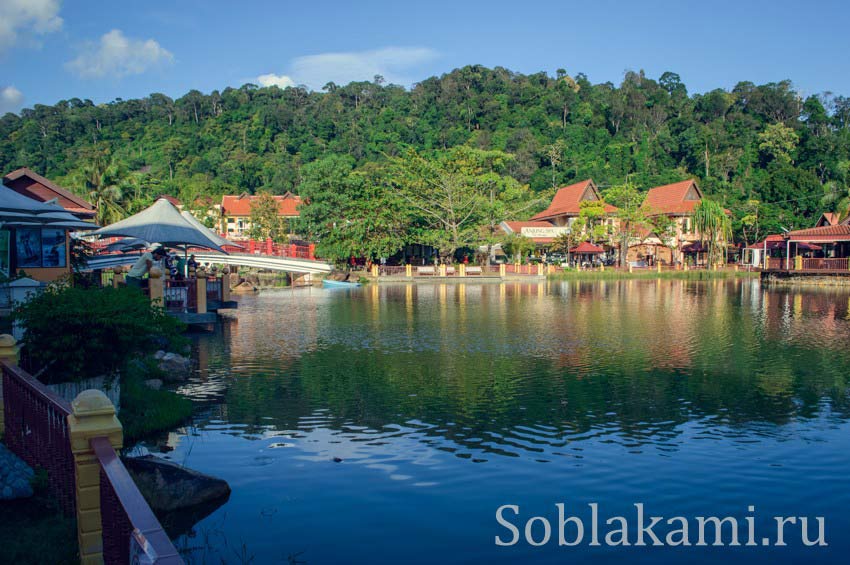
(230, 220)
(40, 247)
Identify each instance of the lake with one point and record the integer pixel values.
(387, 424)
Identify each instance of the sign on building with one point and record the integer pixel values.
(535, 232)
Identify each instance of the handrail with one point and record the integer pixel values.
(132, 528)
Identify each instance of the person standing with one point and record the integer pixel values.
(142, 266)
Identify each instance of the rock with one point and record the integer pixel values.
(159, 355)
(244, 287)
(15, 476)
(155, 384)
(341, 276)
(175, 367)
(167, 486)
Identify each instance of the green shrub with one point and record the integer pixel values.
(77, 333)
(145, 411)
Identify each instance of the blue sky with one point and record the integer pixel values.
(53, 49)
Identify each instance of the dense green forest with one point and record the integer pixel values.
(771, 156)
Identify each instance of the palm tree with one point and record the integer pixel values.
(714, 227)
(103, 181)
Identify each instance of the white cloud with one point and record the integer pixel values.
(10, 99)
(272, 79)
(37, 16)
(117, 55)
(393, 63)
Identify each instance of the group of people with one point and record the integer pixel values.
(171, 263)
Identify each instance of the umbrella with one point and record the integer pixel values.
(211, 234)
(128, 244)
(17, 210)
(161, 223)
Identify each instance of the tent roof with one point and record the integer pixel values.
(586, 247)
(161, 223)
(211, 234)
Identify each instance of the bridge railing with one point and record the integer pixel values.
(75, 444)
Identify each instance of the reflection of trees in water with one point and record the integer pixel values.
(498, 368)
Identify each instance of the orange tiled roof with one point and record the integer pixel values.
(841, 232)
(241, 205)
(567, 201)
(586, 247)
(672, 198)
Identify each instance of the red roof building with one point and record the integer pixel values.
(236, 211)
(33, 185)
(587, 248)
(677, 199)
(567, 203)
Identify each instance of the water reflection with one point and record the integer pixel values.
(527, 369)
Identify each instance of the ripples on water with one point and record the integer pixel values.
(476, 392)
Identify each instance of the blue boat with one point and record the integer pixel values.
(339, 284)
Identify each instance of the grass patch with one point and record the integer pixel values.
(34, 530)
(145, 411)
(611, 274)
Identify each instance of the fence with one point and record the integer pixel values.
(214, 290)
(821, 264)
(181, 295)
(75, 444)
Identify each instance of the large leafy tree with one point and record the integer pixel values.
(352, 212)
(103, 182)
(265, 218)
(631, 215)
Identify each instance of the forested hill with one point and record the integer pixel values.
(764, 143)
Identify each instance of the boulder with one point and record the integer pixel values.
(155, 384)
(168, 487)
(244, 287)
(175, 367)
(15, 476)
(340, 276)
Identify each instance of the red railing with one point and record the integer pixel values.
(37, 431)
(822, 264)
(181, 295)
(777, 263)
(214, 290)
(129, 526)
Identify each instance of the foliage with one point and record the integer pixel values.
(630, 211)
(34, 530)
(753, 142)
(714, 227)
(352, 212)
(145, 411)
(79, 333)
(517, 246)
(265, 220)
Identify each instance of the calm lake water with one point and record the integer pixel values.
(387, 424)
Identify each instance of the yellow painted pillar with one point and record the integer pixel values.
(443, 270)
(117, 276)
(502, 270)
(631, 269)
(408, 270)
(93, 415)
(156, 286)
(9, 353)
(225, 285)
(461, 270)
(201, 292)
(602, 267)
(684, 266)
(798, 263)
(658, 267)
(375, 271)
(539, 269)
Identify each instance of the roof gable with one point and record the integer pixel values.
(32, 185)
(677, 198)
(240, 205)
(568, 199)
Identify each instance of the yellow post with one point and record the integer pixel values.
(156, 286)
(602, 267)
(225, 285)
(684, 266)
(408, 270)
(658, 267)
(93, 415)
(375, 271)
(9, 353)
(461, 270)
(201, 292)
(539, 269)
(502, 270)
(443, 270)
(631, 270)
(714, 267)
(117, 276)
(735, 268)
(798, 263)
